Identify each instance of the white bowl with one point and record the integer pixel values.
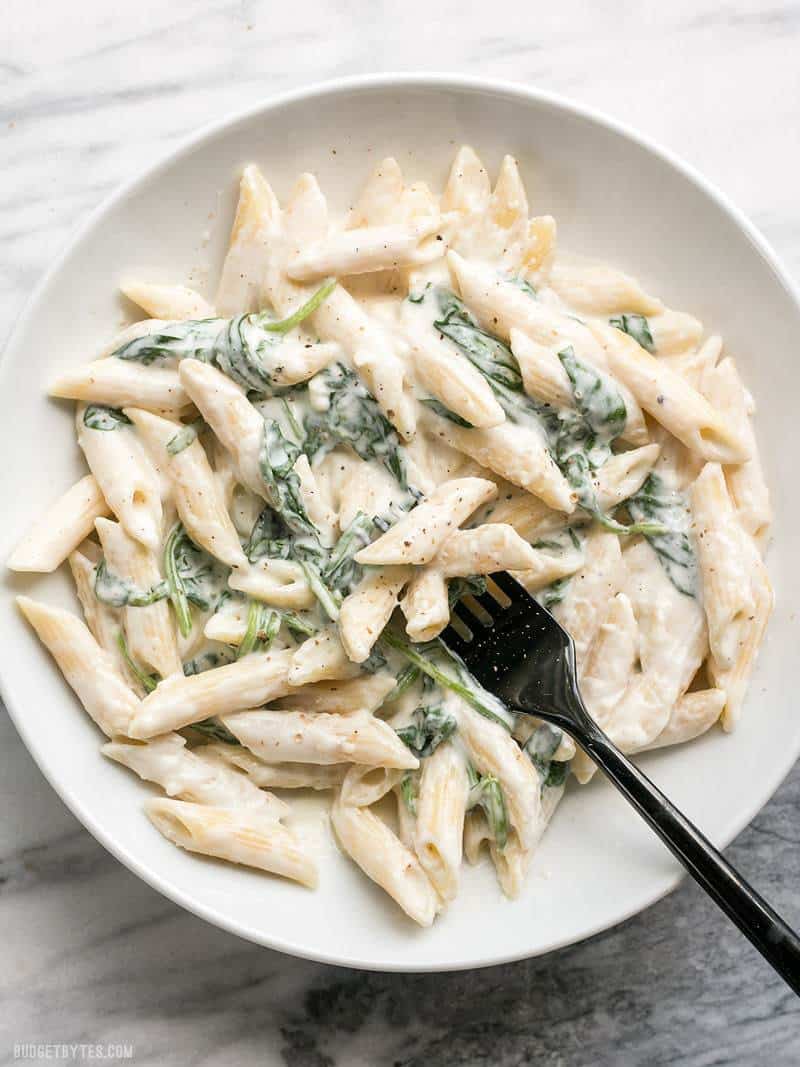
(615, 196)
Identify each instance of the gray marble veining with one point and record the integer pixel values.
(88, 94)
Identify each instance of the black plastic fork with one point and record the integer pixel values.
(517, 650)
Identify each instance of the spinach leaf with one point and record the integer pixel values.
(405, 679)
(192, 339)
(487, 793)
(238, 347)
(597, 400)
(444, 668)
(430, 726)
(341, 571)
(110, 589)
(541, 747)
(438, 408)
(488, 353)
(637, 327)
(206, 661)
(525, 286)
(269, 537)
(299, 624)
(661, 506)
(409, 790)
(310, 306)
(147, 681)
(100, 417)
(215, 731)
(352, 417)
(276, 460)
(263, 624)
(192, 576)
(183, 438)
(474, 585)
(554, 593)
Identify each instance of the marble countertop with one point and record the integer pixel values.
(90, 92)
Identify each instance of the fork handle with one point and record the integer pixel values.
(760, 923)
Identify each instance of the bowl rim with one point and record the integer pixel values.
(365, 83)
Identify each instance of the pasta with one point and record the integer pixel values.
(290, 487)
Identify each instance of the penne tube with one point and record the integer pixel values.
(697, 364)
(384, 859)
(380, 198)
(60, 530)
(724, 565)
(321, 657)
(545, 378)
(315, 502)
(511, 865)
(320, 737)
(595, 289)
(233, 419)
(543, 373)
(673, 642)
(476, 835)
(619, 478)
(425, 604)
(371, 248)
(257, 214)
(120, 384)
(441, 807)
(748, 488)
(517, 453)
(671, 400)
(493, 751)
(103, 621)
(279, 582)
(126, 476)
(175, 303)
(417, 537)
(608, 672)
(149, 629)
(442, 371)
(364, 786)
(501, 306)
(179, 701)
(733, 680)
(189, 775)
(675, 332)
(589, 593)
(197, 494)
(339, 318)
(484, 550)
(275, 775)
(468, 189)
(366, 692)
(367, 609)
(693, 715)
(88, 669)
(238, 835)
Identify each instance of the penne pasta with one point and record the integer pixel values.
(238, 835)
(384, 859)
(89, 669)
(197, 496)
(125, 475)
(148, 628)
(383, 410)
(320, 737)
(190, 775)
(61, 529)
(170, 302)
(179, 701)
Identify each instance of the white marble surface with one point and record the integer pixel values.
(90, 92)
